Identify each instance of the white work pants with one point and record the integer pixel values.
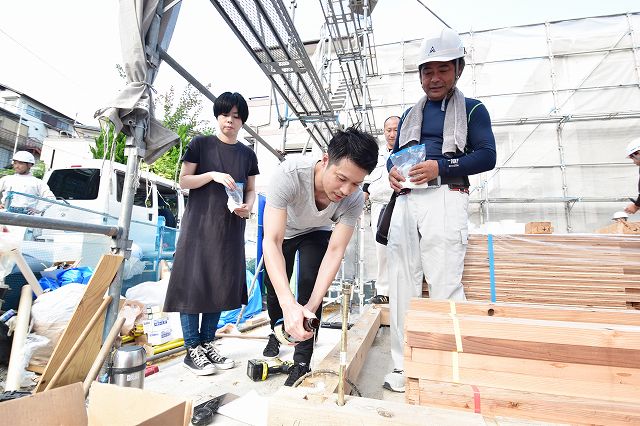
(382, 280)
(433, 220)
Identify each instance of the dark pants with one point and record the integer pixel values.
(195, 332)
(311, 248)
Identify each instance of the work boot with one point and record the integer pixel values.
(394, 381)
(298, 370)
(197, 361)
(379, 299)
(221, 363)
(273, 347)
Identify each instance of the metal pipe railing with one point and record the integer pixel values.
(29, 221)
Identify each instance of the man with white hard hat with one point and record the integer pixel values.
(633, 152)
(432, 216)
(23, 182)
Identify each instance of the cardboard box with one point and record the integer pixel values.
(159, 337)
(108, 405)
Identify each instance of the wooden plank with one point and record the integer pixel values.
(298, 407)
(549, 369)
(498, 402)
(359, 340)
(519, 310)
(538, 228)
(585, 343)
(522, 378)
(97, 286)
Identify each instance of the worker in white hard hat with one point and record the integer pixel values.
(633, 152)
(428, 229)
(17, 190)
(620, 217)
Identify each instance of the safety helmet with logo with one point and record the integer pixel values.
(24, 156)
(444, 46)
(633, 146)
(619, 215)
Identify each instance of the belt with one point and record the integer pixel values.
(455, 183)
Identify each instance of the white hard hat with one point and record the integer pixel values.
(619, 215)
(633, 146)
(444, 46)
(24, 156)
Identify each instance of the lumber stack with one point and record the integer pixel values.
(558, 364)
(591, 270)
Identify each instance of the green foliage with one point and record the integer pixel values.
(181, 116)
(107, 139)
(37, 170)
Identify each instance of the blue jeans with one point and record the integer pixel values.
(194, 335)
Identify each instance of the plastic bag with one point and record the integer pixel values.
(236, 196)
(405, 159)
(51, 313)
(10, 240)
(149, 293)
(80, 275)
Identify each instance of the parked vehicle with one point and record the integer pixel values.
(91, 192)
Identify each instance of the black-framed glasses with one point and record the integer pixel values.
(635, 155)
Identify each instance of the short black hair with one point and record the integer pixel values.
(355, 145)
(225, 103)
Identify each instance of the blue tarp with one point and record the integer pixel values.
(253, 307)
(80, 275)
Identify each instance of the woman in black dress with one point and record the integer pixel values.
(208, 274)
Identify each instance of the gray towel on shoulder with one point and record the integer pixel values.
(455, 124)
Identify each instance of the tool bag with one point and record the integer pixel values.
(382, 234)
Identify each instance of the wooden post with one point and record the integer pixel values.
(14, 371)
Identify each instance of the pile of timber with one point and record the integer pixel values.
(558, 364)
(592, 270)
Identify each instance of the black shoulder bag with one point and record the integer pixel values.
(382, 234)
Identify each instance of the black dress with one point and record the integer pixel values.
(208, 273)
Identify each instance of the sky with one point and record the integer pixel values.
(64, 53)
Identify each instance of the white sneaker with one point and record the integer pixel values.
(394, 381)
(216, 359)
(196, 360)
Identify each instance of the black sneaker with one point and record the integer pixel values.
(221, 362)
(273, 347)
(196, 360)
(298, 370)
(379, 299)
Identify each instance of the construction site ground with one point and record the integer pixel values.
(174, 379)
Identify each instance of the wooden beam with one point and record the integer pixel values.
(530, 311)
(299, 407)
(91, 300)
(585, 343)
(574, 380)
(496, 402)
(359, 340)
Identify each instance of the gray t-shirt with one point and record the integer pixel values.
(291, 188)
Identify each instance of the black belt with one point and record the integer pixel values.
(457, 183)
(451, 180)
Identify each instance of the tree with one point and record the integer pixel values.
(106, 140)
(182, 119)
(180, 116)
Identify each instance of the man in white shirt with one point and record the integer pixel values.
(23, 182)
(378, 191)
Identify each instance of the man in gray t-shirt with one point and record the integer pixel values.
(306, 199)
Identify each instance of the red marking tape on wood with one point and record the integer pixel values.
(476, 399)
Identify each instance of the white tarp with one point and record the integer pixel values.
(135, 100)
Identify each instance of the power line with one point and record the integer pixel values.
(433, 13)
(63, 75)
